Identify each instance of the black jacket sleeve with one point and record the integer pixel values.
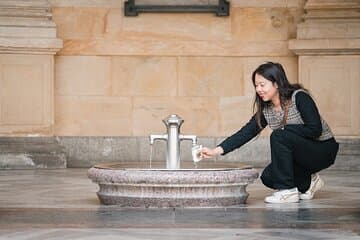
(312, 127)
(245, 134)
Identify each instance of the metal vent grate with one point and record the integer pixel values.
(221, 9)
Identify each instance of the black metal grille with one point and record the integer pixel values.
(221, 9)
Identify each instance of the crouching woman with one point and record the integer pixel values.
(302, 143)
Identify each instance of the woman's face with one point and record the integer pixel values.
(266, 89)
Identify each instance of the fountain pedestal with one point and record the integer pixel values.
(208, 185)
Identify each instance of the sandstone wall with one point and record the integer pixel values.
(114, 78)
(120, 76)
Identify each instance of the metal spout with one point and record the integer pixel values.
(193, 138)
(154, 137)
(173, 137)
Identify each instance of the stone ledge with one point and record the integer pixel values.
(325, 46)
(27, 32)
(24, 22)
(29, 9)
(349, 154)
(31, 153)
(32, 161)
(26, 3)
(331, 4)
(30, 45)
(330, 30)
(88, 151)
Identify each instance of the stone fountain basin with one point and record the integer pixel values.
(207, 184)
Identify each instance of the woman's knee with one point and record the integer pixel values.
(283, 136)
(277, 135)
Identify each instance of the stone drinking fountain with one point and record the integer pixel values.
(204, 184)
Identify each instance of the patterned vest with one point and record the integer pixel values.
(275, 120)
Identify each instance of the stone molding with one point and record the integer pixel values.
(325, 46)
(21, 8)
(30, 45)
(331, 4)
(330, 27)
(26, 27)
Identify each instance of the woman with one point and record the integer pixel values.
(301, 143)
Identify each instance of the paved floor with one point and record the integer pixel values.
(62, 204)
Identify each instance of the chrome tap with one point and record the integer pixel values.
(193, 138)
(154, 137)
(173, 138)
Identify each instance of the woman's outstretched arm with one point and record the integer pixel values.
(245, 134)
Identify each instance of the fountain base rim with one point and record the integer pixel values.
(187, 166)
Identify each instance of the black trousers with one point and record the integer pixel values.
(294, 158)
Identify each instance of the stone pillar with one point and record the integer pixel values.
(28, 44)
(328, 45)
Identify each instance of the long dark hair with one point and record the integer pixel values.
(275, 73)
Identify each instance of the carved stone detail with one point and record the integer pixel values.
(329, 27)
(26, 27)
(328, 45)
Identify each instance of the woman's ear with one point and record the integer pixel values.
(275, 84)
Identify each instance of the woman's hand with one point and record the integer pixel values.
(209, 153)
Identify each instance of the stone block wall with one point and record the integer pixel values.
(115, 78)
(120, 76)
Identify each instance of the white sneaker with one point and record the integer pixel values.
(284, 196)
(316, 184)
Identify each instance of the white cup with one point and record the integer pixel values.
(196, 153)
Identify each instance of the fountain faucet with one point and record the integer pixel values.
(173, 138)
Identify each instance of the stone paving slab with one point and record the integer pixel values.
(62, 204)
(178, 233)
(300, 218)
